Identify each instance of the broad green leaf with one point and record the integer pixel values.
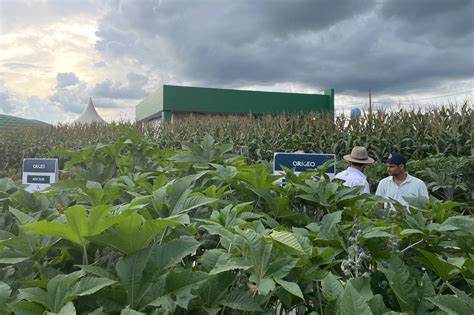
(462, 295)
(190, 203)
(74, 230)
(376, 233)
(291, 287)
(328, 254)
(281, 267)
(58, 289)
(426, 291)
(402, 283)
(329, 223)
(287, 239)
(352, 303)
(451, 304)
(8, 256)
(241, 301)
(77, 227)
(180, 188)
(410, 232)
(76, 222)
(36, 295)
(26, 308)
(226, 263)
(442, 227)
(331, 308)
(130, 272)
(168, 254)
(90, 285)
(217, 229)
(179, 289)
(215, 288)
(444, 269)
(132, 233)
(129, 311)
(264, 285)
(22, 217)
(5, 292)
(362, 286)
(67, 309)
(464, 223)
(377, 305)
(331, 287)
(100, 219)
(98, 311)
(210, 258)
(98, 271)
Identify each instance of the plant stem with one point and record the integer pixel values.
(410, 246)
(163, 236)
(85, 260)
(319, 298)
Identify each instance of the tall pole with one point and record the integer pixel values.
(370, 102)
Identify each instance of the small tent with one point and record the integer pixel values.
(89, 115)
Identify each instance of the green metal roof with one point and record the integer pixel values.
(12, 122)
(173, 99)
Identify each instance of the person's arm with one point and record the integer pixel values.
(423, 191)
(380, 190)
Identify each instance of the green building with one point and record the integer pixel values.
(172, 102)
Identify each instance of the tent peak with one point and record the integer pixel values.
(90, 115)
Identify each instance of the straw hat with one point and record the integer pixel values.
(359, 155)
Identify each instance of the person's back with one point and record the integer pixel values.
(353, 175)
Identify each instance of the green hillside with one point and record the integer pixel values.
(11, 122)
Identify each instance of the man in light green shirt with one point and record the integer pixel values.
(400, 184)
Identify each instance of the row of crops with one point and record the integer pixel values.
(137, 227)
(446, 131)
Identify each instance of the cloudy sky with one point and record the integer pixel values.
(56, 54)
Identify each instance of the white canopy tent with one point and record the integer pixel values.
(89, 115)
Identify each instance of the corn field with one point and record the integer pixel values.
(445, 131)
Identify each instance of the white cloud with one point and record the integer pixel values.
(66, 79)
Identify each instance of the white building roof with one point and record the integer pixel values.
(89, 115)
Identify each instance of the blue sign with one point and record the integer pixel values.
(301, 162)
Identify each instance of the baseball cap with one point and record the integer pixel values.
(396, 158)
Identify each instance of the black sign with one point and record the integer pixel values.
(36, 179)
(39, 166)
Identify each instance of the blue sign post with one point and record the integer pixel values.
(301, 162)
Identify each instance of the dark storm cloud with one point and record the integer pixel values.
(437, 21)
(132, 89)
(389, 46)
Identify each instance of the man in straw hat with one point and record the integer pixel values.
(353, 175)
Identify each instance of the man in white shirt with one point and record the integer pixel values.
(353, 175)
(400, 184)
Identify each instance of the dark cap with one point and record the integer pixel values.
(396, 158)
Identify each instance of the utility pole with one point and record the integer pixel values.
(370, 102)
